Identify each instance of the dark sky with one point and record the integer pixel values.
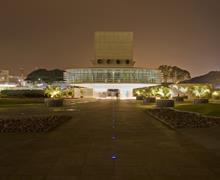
(60, 33)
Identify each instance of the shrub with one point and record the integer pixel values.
(68, 92)
(201, 91)
(162, 92)
(216, 94)
(22, 93)
(53, 92)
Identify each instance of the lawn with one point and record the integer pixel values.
(210, 109)
(5, 102)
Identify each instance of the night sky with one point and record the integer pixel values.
(60, 33)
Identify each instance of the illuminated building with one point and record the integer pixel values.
(4, 76)
(113, 70)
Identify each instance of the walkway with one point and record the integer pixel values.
(107, 140)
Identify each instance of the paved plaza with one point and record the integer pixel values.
(107, 140)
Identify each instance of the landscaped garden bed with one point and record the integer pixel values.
(182, 119)
(160, 103)
(32, 124)
(178, 98)
(147, 100)
(201, 101)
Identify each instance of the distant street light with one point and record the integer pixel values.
(113, 77)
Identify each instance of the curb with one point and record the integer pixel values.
(162, 121)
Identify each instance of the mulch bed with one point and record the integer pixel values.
(33, 124)
(182, 119)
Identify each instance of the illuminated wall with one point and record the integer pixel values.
(126, 90)
(113, 49)
(112, 75)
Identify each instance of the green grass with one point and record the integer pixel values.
(211, 109)
(11, 102)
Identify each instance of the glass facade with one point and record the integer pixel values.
(112, 75)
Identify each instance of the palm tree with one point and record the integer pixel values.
(53, 91)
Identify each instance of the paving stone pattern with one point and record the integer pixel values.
(83, 149)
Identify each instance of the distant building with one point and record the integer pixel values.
(113, 72)
(8, 81)
(4, 76)
(5, 80)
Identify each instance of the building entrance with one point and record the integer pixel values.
(113, 93)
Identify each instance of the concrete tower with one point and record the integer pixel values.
(113, 49)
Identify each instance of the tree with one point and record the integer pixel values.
(53, 92)
(44, 75)
(69, 92)
(173, 74)
(201, 90)
(164, 92)
(165, 70)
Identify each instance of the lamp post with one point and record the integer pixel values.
(113, 77)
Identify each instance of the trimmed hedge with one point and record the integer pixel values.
(201, 101)
(23, 93)
(163, 103)
(147, 100)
